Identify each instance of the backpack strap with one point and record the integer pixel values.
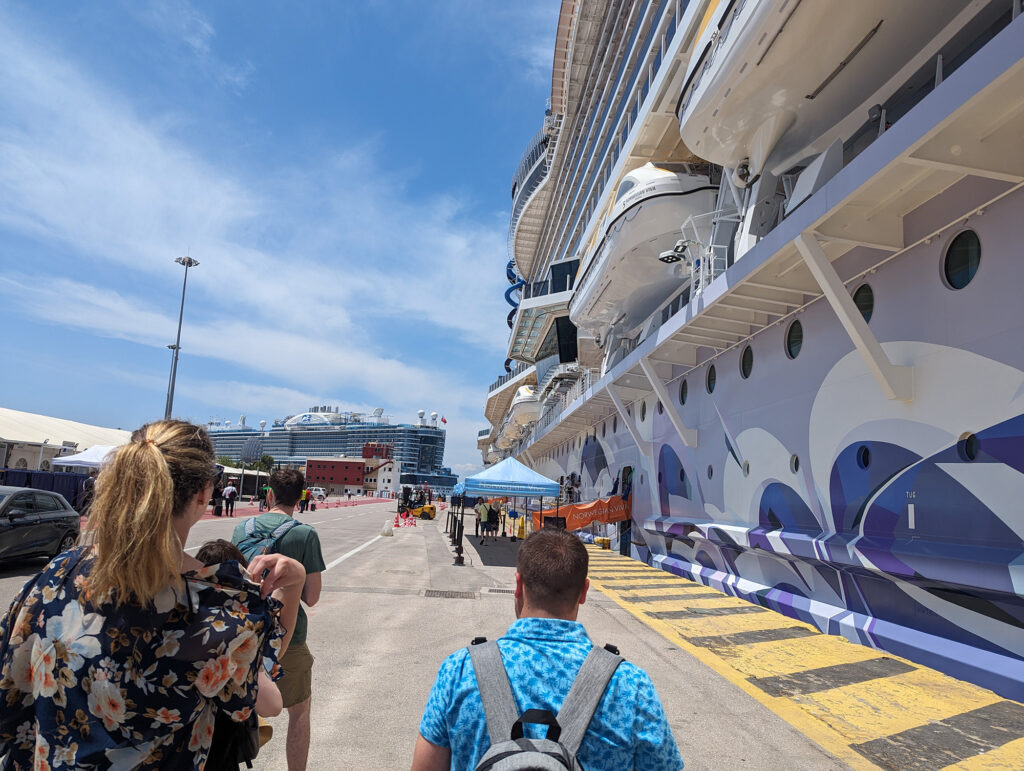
(250, 526)
(495, 691)
(584, 696)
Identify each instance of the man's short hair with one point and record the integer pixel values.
(553, 565)
(287, 484)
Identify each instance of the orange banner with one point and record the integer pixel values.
(579, 515)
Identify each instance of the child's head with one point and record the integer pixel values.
(214, 552)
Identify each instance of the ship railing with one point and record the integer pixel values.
(516, 371)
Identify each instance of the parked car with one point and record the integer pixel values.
(36, 523)
(318, 493)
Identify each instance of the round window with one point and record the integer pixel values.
(967, 448)
(746, 468)
(712, 379)
(711, 471)
(643, 411)
(682, 476)
(962, 258)
(794, 463)
(863, 456)
(794, 339)
(682, 392)
(747, 362)
(864, 299)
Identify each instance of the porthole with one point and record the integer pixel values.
(864, 299)
(968, 447)
(794, 339)
(643, 411)
(682, 476)
(746, 468)
(659, 477)
(711, 471)
(863, 456)
(961, 260)
(794, 463)
(661, 408)
(746, 362)
(682, 392)
(711, 379)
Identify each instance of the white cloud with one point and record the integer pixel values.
(325, 247)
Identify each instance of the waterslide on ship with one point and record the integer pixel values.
(627, 275)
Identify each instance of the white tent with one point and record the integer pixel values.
(94, 457)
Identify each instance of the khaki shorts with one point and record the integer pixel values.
(296, 685)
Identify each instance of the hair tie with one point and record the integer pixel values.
(148, 441)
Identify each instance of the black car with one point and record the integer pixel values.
(36, 523)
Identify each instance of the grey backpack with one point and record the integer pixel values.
(510, 750)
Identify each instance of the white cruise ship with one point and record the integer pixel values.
(765, 271)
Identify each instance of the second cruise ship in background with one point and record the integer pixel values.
(764, 265)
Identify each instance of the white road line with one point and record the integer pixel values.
(345, 556)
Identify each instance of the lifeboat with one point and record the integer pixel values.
(525, 407)
(628, 275)
(777, 81)
(493, 455)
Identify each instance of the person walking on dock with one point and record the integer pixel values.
(278, 531)
(542, 654)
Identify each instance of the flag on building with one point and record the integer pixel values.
(443, 419)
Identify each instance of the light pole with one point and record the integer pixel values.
(188, 262)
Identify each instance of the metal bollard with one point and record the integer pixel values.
(459, 559)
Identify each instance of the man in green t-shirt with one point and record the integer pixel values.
(303, 544)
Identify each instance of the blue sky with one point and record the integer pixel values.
(341, 170)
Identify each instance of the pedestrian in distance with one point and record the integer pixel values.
(88, 492)
(229, 494)
(218, 497)
(123, 651)
(277, 531)
(261, 496)
(527, 677)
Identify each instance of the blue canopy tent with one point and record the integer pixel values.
(510, 479)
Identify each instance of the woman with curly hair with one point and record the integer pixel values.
(121, 652)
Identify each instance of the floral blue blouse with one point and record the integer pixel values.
(85, 686)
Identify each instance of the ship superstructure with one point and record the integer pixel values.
(812, 375)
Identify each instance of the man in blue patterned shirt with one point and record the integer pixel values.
(542, 652)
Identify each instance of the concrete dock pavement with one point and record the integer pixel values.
(393, 610)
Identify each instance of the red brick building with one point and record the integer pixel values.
(378, 450)
(337, 475)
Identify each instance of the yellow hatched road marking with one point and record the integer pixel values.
(1009, 757)
(861, 713)
(789, 711)
(786, 657)
(889, 705)
(707, 626)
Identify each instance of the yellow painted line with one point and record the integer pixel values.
(786, 657)
(788, 710)
(889, 705)
(657, 590)
(706, 626)
(1009, 757)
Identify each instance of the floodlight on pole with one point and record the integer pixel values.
(188, 262)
